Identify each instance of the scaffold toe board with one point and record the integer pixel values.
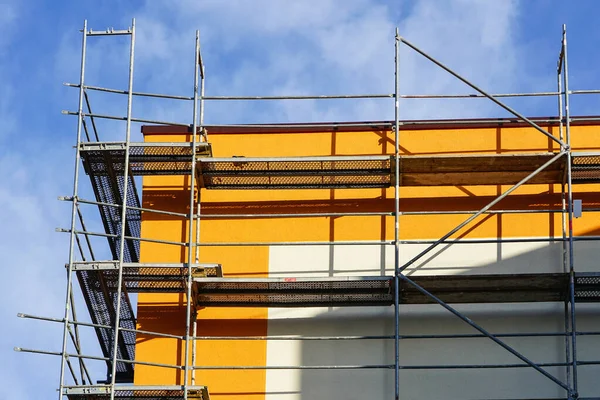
(145, 158)
(136, 392)
(377, 290)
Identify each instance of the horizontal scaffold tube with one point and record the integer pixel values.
(307, 338)
(339, 243)
(98, 358)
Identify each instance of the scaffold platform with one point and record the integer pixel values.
(379, 290)
(148, 158)
(145, 158)
(342, 172)
(136, 392)
(148, 277)
(328, 172)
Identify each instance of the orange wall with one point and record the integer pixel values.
(166, 313)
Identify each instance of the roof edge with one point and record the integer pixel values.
(474, 123)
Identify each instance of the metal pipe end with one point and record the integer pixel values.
(20, 315)
(17, 349)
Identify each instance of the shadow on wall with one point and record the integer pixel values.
(378, 381)
(479, 383)
(416, 382)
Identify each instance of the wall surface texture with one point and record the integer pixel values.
(166, 313)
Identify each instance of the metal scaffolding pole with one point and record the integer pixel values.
(192, 244)
(564, 217)
(100, 203)
(318, 338)
(123, 214)
(198, 211)
(73, 215)
(333, 97)
(396, 218)
(99, 358)
(121, 118)
(574, 393)
(345, 243)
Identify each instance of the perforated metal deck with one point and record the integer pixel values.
(377, 291)
(144, 158)
(378, 171)
(136, 392)
(149, 278)
(587, 287)
(294, 292)
(295, 172)
(586, 168)
(101, 304)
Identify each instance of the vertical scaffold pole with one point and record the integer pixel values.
(199, 66)
(192, 243)
(570, 201)
(563, 193)
(202, 76)
(396, 220)
(123, 213)
(73, 213)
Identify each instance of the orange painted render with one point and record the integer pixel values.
(166, 313)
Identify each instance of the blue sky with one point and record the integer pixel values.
(259, 47)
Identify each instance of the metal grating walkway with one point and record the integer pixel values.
(136, 392)
(295, 172)
(100, 302)
(377, 291)
(149, 278)
(341, 172)
(587, 287)
(294, 292)
(145, 158)
(586, 168)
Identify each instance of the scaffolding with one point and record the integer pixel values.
(107, 284)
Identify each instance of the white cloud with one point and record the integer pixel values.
(326, 47)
